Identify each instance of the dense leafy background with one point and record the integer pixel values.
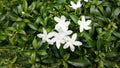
(22, 20)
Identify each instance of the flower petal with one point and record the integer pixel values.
(66, 46)
(44, 31)
(40, 35)
(83, 19)
(51, 34)
(72, 47)
(57, 19)
(88, 22)
(77, 43)
(74, 36)
(58, 44)
(81, 29)
(63, 19)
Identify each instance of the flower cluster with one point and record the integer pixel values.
(62, 34)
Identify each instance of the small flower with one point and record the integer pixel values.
(45, 37)
(70, 42)
(62, 23)
(84, 24)
(75, 6)
(59, 39)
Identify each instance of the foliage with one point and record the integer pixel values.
(22, 20)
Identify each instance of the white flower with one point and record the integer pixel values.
(62, 23)
(75, 6)
(70, 42)
(59, 39)
(45, 37)
(86, 0)
(84, 24)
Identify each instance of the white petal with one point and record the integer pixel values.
(81, 29)
(50, 42)
(88, 22)
(74, 36)
(40, 35)
(69, 32)
(57, 19)
(66, 46)
(72, 47)
(64, 28)
(79, 3)
(83, 18)
(86, 0)
(58, 44)
(87, 28)
(44, 31)
(51, 34)
(63, 18)
(67, 23)
(57, 26)
(77, 43)
(72, 4)
(79, 22)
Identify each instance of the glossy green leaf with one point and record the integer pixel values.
(42, 52)
(25, 5)
(34, 43)
(74, 18)
(33, 58)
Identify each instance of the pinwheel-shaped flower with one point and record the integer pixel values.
(70, 42)
(61, 23)
(75, 6)
(45, 37)
(84, 24)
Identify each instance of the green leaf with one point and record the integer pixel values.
(32, 26)
(33, 58)
(74, 18)
(25, 5)
(116, 12)
(32, 6)
(100, 64)
(34, 43)
(42, 52)
(99, 43)
(116, 34)
(66, 56)
(2, 37)
(65, 64)
(14, 60)
(77, 64)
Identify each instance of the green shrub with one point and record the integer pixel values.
(22, 20)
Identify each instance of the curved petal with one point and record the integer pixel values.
(58, 44)
(40, 35)
(57, 19)
(88, 22)
(79, 22)
(51, 34)
(67, 23)
(63, 18)
(66, 46)
(87, 28)
(72, 47)
(77, 43)
(74, 36)
(81, 29)
(79, 3)
(83, 18)
(44, 31)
